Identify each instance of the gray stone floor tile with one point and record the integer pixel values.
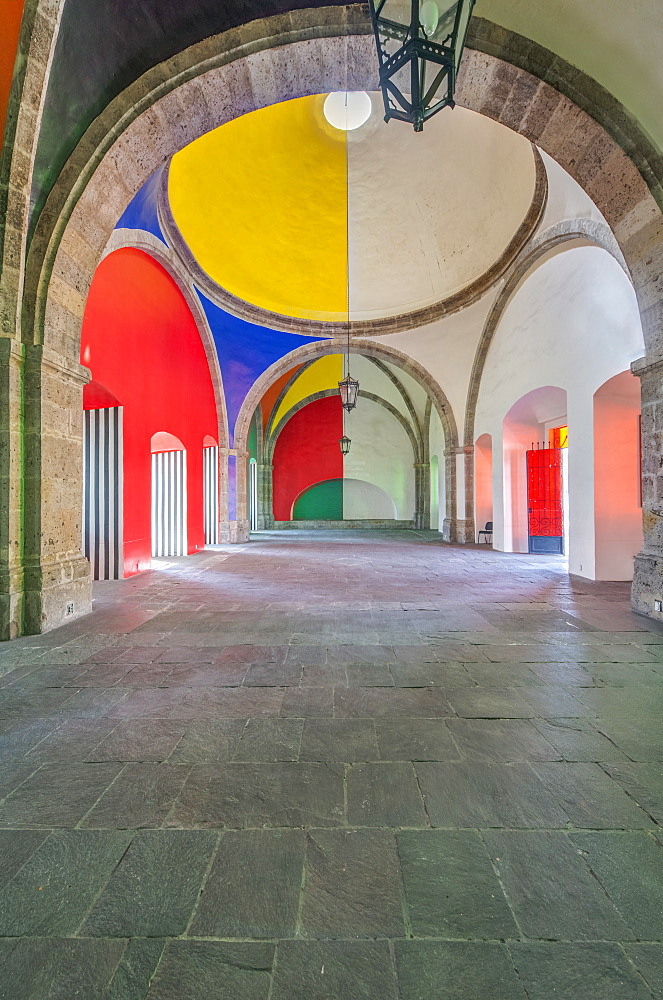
(446, 675)
(630, 868)
(489, 703)
(308, 703)
(505, 740)
(577, 740)
(348, 740)
(273, 675)
(143, 740)
(352, 886)
(202, 970)
(57, 795)
(52, 892)
(451, 888)
(456, 970)
(593, 971)
(482, 795)
(208, 740)
(254, 886)
(415, 739)
(141, 796)
(228, 703)
(590, 798)
(16, 846)
(13, 773)
(270, 740)
(238, 796)
(334, 970)
(40, 968)
(384, 794)
(135, 969)
(18, 737)
(551, 890)
(643, 782)
(358, 703)
(648, 960)
(553, 701)
(155, 887)
(72, 741)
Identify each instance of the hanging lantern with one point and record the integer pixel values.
(348, 388)
(419, 45)
(345, 443)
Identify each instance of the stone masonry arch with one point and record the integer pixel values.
(370, 349)
(303, 52)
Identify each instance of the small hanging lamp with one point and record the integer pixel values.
(420, 44)
(345, 443)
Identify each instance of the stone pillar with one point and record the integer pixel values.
(233, 498)
(648, 569)
(12, 361)
(459, 522)
(264, 499)
(422, 495)
(58, 584)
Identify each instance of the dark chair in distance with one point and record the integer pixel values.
(487, 531)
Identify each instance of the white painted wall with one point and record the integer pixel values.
(381, 453)
(573, 323)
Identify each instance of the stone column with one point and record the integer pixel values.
(233, 497)
(12, 361)
(459, 522)
(422, 495)
(58, 584)
(264, 499)
(648, 570)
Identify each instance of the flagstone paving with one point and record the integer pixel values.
(336, 766)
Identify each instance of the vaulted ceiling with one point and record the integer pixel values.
(103, 46)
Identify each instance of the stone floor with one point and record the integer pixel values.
(339, 766)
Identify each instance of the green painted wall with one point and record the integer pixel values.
(322, 502)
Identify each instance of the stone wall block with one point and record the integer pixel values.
(362, 66)
(474, 79)
(269, 79)
(644, 255)
(494, 100)
(183, 113)
(618, 188)
(519, 100)
(544, 105)
(228, 92)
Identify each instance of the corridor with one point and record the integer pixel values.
(340, 765)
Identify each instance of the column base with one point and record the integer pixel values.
(233, 532)
(11, 603)
(647, 585)
(56, 593)
(458, 531)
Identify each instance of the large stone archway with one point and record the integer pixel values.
(454, 530)
(304, 52)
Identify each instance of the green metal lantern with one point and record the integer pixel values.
(420, 44)
(344, 443)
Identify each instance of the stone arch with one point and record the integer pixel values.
(564, 235)
(139, 239)
(324, 394)
(275, 59)
(373, 350)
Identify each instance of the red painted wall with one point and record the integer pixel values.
(141, 343)
(307, 452)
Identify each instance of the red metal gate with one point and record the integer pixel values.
(545, 514)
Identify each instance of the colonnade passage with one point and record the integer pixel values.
(349, 765)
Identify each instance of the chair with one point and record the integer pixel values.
(487, 531)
